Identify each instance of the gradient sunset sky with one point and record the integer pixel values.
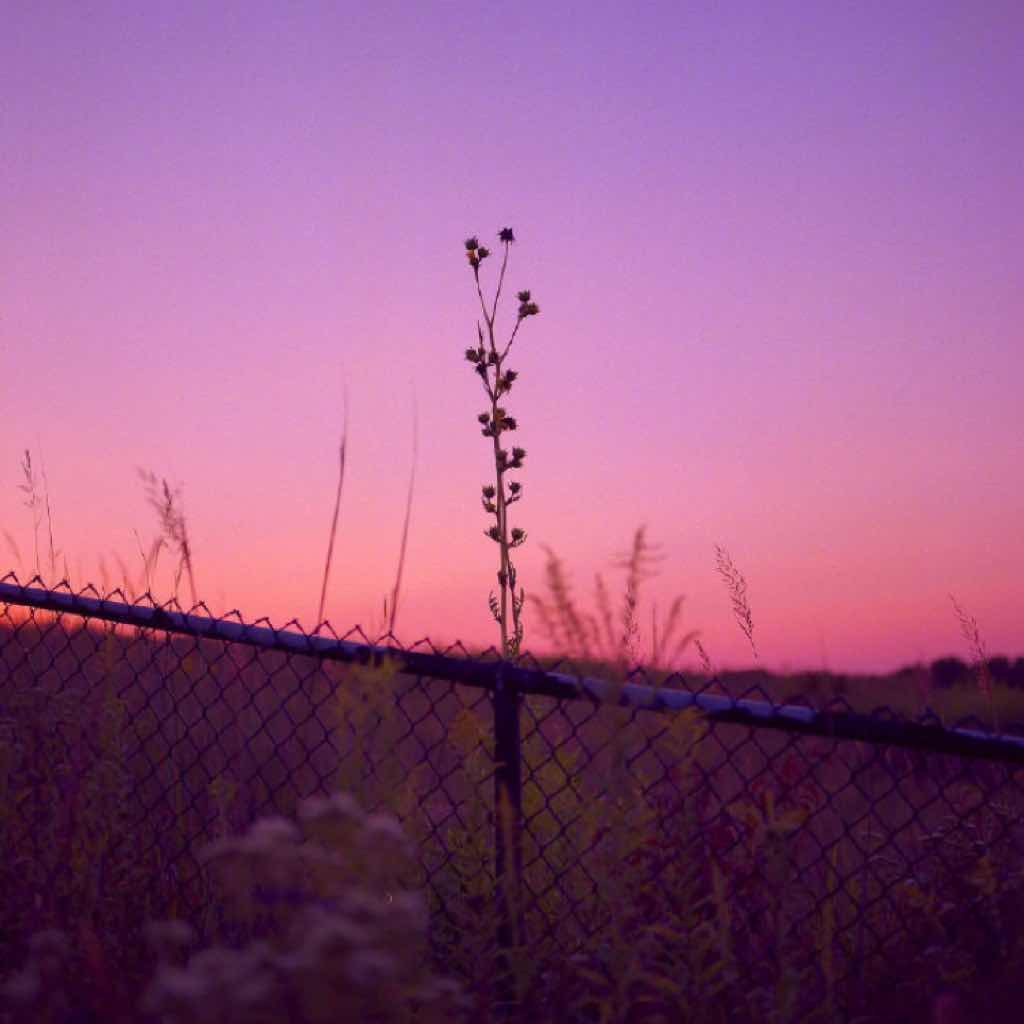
(777, 250)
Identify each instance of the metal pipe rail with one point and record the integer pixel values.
(496, 675)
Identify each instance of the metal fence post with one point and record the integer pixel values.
(508, 859)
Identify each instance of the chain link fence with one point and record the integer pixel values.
(817, 855)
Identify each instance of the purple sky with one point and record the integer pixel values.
(777, 250)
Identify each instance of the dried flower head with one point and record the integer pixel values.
(273, 831)
(383, 828)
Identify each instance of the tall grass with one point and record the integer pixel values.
(167, 503)
(604, 638)
(36, 489)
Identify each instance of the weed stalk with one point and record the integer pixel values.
(495, 421)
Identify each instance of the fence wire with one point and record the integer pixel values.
(837, 846)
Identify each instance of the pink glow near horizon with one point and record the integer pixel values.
(777, 254)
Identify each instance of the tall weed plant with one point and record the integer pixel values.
(488, 361)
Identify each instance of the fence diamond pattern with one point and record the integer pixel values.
(820, 834)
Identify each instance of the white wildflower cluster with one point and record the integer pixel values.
(332, 933)
(339, 939)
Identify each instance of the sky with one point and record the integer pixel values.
(776, 250)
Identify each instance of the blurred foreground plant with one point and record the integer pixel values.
(319, 927)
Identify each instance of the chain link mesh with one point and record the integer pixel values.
(835, 846)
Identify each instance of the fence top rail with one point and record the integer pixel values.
(888, 729)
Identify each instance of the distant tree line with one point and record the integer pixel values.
(947, 672)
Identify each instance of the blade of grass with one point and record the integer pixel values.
(32, 501)
(13, 545)
(705, 659)
(337, 507)
(408, 514)
(148, 561)
(49, 514)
